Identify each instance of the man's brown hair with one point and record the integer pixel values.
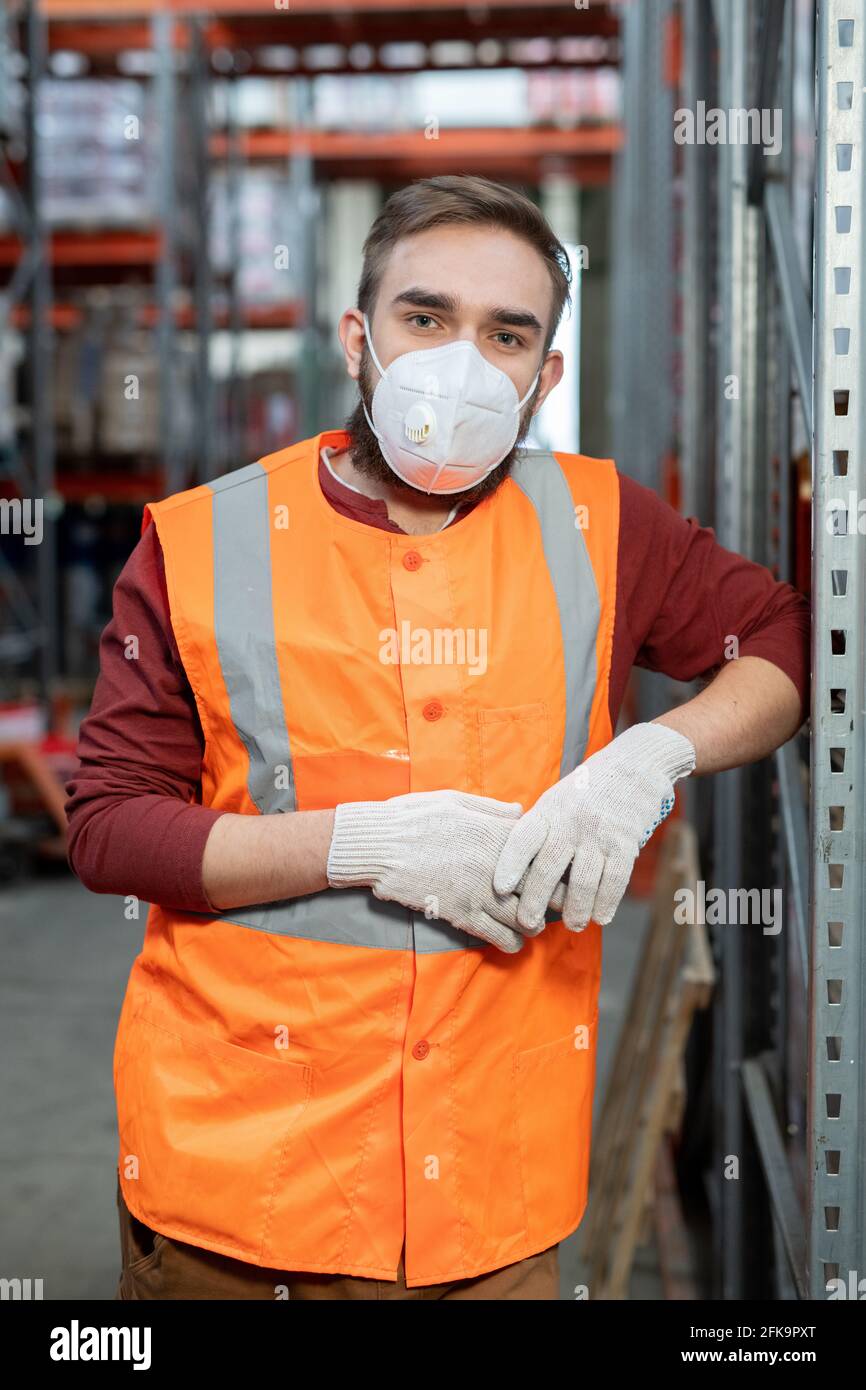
(466, 198)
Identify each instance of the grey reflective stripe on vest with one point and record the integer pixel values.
(353, 917)
(540, 478)
(246, 644)
(244, 631)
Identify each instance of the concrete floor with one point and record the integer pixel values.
(67, 955)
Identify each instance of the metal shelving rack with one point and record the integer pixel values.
(788, 1097)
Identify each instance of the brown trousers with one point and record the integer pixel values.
(154, 1266)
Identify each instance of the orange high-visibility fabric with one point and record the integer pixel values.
(273, 1101)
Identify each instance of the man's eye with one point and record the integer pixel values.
(418, 317)
(512, 339)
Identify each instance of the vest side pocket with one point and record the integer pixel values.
(553, 1091)
(209, 1123)
(515, 750)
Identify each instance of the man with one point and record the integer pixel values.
(356, 1054)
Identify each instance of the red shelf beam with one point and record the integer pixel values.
(584, 152)
(101, 248)
(65, 317)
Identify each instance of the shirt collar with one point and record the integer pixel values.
(375, 505)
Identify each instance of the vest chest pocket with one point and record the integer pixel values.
(515, 752)
(553, 1090)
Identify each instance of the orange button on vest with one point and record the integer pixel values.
(271, 1105)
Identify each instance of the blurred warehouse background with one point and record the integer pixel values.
(204, 181)
(184, 193)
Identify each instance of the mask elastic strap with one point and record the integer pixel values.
(521, 404)
(370, 422)
(379, 367)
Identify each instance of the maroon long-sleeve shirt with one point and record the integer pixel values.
(134, 825)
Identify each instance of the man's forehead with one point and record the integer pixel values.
(514, 272)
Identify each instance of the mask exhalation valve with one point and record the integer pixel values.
(420, 423)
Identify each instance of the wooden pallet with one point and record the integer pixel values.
(646, 1093)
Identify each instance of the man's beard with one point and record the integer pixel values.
(367, 457)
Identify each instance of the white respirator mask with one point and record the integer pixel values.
(444, 416)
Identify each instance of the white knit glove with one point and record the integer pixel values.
(595, 821)
(434, 852)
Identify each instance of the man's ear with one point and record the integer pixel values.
(551, 375)
(352, 337)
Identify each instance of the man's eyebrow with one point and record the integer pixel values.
(436, 299)
(516, 318)
(429, 299)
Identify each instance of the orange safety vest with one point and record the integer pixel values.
(306, 1084)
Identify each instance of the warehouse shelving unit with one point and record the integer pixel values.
(744, 286)
(31, 630)
(187, 50)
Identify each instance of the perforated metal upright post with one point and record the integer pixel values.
(837, 1090)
